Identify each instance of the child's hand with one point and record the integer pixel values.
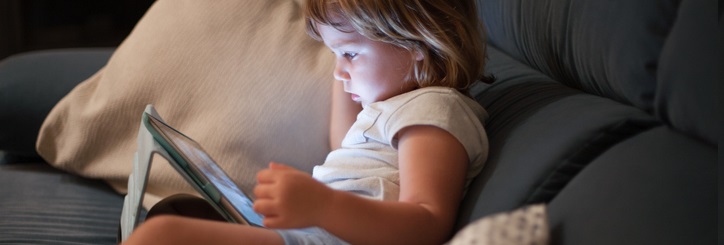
(289, 198)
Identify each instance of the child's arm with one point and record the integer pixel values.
(432, 175)
(344, 113)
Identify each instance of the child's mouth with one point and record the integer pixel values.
(355, 97)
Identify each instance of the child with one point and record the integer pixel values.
(400, 169)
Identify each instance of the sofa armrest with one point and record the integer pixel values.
(31, 84)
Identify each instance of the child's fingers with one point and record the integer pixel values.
(278, 166)
(270, 222)
(265, 176)
(274, 222)
(272, 216)
(269, 174)
(263, 191)
(264, 207)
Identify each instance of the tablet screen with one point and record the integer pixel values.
(204, 171)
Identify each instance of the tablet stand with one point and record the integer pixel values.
(147, 146)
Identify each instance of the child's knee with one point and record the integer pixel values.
(164, 223)
(157, 230)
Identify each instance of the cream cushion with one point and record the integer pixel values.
(241, 77)
(526, 225)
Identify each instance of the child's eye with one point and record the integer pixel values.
(349, 55)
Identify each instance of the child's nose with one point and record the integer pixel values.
(340, 72)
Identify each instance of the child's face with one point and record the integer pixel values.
(370, 70)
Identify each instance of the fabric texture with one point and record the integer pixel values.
(42, 205)
(560, 129)
(524, 226)
(686, 95)
(32, 83)
(241, 77)
(658, 187)
(606, 48)
(367, 162)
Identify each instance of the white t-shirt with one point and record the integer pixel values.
(367, 162)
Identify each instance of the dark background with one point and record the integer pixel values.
(27, 25)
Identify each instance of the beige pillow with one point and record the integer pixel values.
(241, 77)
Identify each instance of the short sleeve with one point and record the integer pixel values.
(447, 110)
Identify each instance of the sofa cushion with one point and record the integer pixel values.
(686, 95)
(608, 48)
(659, 187)
(32, 83)
(541, 135)
(240, 77)
(42, 205)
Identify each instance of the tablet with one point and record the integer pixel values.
(197, 167)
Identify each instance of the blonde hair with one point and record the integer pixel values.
(447, 33)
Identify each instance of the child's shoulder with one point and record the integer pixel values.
(442, 100)
(431, 94)
(440, 96)
(434, 90)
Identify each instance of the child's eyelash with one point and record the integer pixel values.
(349, 55)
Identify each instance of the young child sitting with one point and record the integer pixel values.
(407, 139)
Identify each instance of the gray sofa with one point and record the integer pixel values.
(606, 111)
